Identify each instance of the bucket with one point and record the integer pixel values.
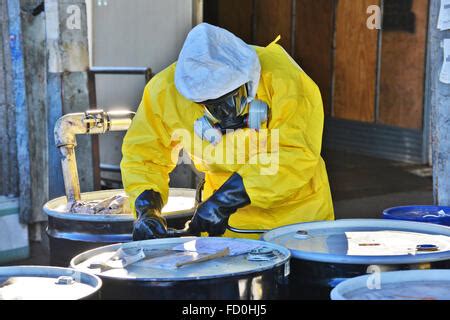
(70, 234)
(47, 283)
(254, 270)
(430, 214)
(329, 252)
(14, 243)
(400, 285)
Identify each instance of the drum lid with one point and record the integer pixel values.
(46, 283)
(161, 257)
(340, 241)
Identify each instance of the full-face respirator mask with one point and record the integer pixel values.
(230, 112)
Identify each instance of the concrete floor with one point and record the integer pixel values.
(362, 187)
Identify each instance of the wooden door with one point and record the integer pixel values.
(371, 80)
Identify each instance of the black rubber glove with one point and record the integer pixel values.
(212, 215)
(149, 224)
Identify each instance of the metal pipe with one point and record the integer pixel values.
(147, 72)
(197, 12)
(90, 122)
(109, 168)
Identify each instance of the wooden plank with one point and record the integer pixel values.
(4, 62)
(236, 17)
(21, 108)
(10, 171)
(438, 96)
(94, 139)
(315, 53)
(55, 177)
(35, 52)
(355, 62)
(67, 86)
(402, 72)
(273, 18)
(4, 140)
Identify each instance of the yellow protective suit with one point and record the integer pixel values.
(291, 188)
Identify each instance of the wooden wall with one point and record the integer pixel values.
(273, 18)
(313, 49)
(331, 42)
(402, 73)
(9, 171)
(355, 64)
(259, 22)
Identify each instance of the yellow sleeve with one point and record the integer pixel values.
(147, 146)
(297, 120)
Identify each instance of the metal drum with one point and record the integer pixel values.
(258, 272)
(47, 283)
(323, 255)
(70, 234)
(399, 285)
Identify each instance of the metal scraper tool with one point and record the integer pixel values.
(220, 254)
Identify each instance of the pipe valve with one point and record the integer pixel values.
(89, 122)
(96, 120)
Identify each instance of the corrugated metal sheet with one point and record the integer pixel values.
(374, 140)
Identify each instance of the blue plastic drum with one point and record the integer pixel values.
(429, 214)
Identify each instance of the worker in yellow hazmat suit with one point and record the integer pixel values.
(250, 118)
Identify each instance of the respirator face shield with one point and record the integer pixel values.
(232, 111)
(227, 111)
